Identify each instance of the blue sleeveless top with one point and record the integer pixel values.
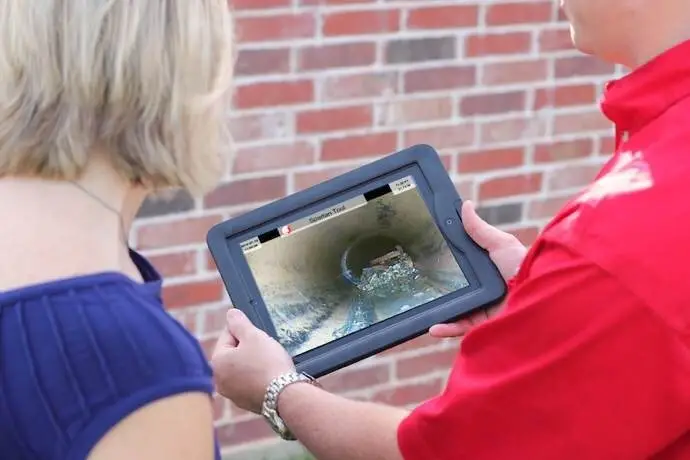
(78, 355)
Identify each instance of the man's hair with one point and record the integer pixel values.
(144, 81)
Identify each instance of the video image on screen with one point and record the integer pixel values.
(352, 265)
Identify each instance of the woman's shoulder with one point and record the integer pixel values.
(101, 320)
(80, 354)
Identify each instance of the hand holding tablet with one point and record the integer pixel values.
(357, 264)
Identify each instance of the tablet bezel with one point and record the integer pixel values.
(486, 286)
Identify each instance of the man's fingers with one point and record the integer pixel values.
(444, 331)
(484, 234)
(237, 325)
(462, 327)
(225, 341)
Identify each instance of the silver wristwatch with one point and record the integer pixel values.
(269, 409)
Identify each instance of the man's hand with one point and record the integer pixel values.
(505, 251)
(245, 361)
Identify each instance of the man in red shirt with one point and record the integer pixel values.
(589, 357)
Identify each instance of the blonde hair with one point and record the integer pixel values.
(145, 81)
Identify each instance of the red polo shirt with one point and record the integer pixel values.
(590, 358)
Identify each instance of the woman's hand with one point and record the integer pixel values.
(505, 251)
(245, 361)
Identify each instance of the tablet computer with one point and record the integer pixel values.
(357, 264)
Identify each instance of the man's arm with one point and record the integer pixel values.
(336, 428)
(576, 366)
(246, 360)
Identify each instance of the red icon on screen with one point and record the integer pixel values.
(286, 230)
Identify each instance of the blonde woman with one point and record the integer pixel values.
(102, 102)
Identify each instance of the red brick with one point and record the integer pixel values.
(443, 17)
(247, 191)
(408, 111)
(498, 43)
(336, 56)
(274, 93)
(565, 96)
(210, 263)
(512, 129)
(351, 379)
(447, 160)
(493, 103)
(441, 137)
(266, 157)
(336, 119)
(262, 62)
(563, 151)
(578, 66)
(489, 160)
(175, 263)
(572, 176)
(309, 178)
(419, 49)
(361, 22)
(561, 16)
(275, 27)
(192, 294)
(582, 122)
(263, 126)
(213, 321)
(466, 189)
(501, 73)
(350, 147)
(175, 233)
(334, 2)
(606, 145)
(555, 40)
(407, 394)
(526, 235)
(239, 5)
(244, 431)
(505, 186)
(360, 85)
(440, 360)
(519, 12)
(546, 208)
(438, 79)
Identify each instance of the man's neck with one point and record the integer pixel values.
(649, 45)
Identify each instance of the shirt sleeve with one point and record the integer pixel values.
(576, 367)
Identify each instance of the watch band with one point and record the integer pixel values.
(269, 409)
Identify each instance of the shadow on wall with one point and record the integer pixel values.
(312, 280)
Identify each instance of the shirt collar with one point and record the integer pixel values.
(641, 96)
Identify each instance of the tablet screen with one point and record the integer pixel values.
(352, 265)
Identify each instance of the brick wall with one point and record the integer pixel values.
(326, 85)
